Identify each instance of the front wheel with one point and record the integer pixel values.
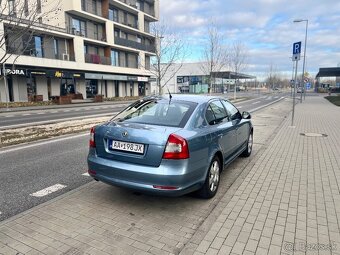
(212, 180)
(249, 149)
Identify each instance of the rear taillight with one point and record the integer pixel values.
(176, 148)
(92, 141)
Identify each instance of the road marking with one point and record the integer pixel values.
(49, 190)
(256, 102)
(77, 110)
(54, 111)
(59, 120)
(86, 174)
(66, 110)
(44, 142)
(239, 107)
(263, 106)
(25, 114)
(41, 112)
(8, 116)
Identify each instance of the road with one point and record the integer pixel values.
(24, 118)
(24, 171)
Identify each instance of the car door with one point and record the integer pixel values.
(222, 130)
(242, 127)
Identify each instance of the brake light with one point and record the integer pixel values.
(92, 142)
(176, 148)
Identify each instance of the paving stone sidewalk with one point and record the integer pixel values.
(289, 203)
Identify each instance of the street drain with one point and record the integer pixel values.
(313, 135)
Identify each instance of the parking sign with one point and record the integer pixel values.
(296, 51)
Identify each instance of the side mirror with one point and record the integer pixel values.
(246, 115)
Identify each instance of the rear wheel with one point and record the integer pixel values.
(249, 149)
(212, 180)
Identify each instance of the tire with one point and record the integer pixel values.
(249, 149)
(212, 179)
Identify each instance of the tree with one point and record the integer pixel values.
(215, 55)
(19, 19)
(170, 53)
(238, 59)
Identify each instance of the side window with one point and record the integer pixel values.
(233, 113)
(215, 112)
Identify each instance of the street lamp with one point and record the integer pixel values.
(304, 57)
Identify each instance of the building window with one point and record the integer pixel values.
(95, 32)
(123, 35)
(139, 39)
(78, 27)
(94, 6)
(116, 33)
(38, 6)
(38, 44)
(138, 5)
(113, 14)
(56, 48)
(114, 58)
(11, 7)
(83, 5)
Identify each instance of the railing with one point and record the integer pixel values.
(97, 59)
(46, 53)
(88, 34)
(133, 4)
(135, 45)
(22, 21)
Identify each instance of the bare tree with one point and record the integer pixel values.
(19, 19)
(238, 60)
(215, 55)
(170, 53)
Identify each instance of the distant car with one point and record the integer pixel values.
(300, 90)
(170, 146)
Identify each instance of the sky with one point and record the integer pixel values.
(266, 27)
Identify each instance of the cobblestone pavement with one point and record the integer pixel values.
(289, 202)
(100, 219)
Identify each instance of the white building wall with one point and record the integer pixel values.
(42, 87)
(55, 87)
(110, 89)
(2, 91)
(81, 87)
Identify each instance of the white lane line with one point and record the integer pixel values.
(54, 111)
(44, 142)
(66, 110)
(86, 174)
(77, 110)
(49, 190)
(41, 112)
(8, 116)
(239, 107)
(25, 114)
(256, 102)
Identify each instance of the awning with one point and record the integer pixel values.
(232, 75)
(329, 72)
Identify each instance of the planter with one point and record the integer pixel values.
(98, 98)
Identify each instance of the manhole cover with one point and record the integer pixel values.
(313, 135)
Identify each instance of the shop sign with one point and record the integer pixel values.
(132, 78)
(62, 74)
(15, 72)
(99, 76)
(145, 79)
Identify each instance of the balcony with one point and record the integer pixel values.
(47, 53)
(97, 59)
(132, 3)
(134, 45)
(90, 34)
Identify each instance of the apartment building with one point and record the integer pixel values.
(82, 48)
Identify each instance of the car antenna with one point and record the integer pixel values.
(170, 96)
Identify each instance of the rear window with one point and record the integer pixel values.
(157, 112)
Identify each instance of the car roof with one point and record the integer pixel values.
(191, 98)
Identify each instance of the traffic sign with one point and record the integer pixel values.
(296, 51)
(308, 85)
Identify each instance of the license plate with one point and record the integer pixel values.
(124, 146)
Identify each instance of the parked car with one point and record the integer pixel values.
(170, 145)
(300, 90)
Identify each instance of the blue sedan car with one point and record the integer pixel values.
(170, 145)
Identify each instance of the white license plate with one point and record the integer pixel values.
(124, 146)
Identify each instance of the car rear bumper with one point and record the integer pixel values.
(171, 178)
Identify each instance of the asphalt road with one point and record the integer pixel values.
(24, 118)
(27, 169)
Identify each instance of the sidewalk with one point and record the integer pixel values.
(286, 197)
(289, 203)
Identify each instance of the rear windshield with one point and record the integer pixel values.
(157, 112)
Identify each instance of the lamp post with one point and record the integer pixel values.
(304, 57)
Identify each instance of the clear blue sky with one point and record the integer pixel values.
(265, 26)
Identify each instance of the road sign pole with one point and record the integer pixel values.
(294, 91)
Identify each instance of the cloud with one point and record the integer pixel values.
(265, 26)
